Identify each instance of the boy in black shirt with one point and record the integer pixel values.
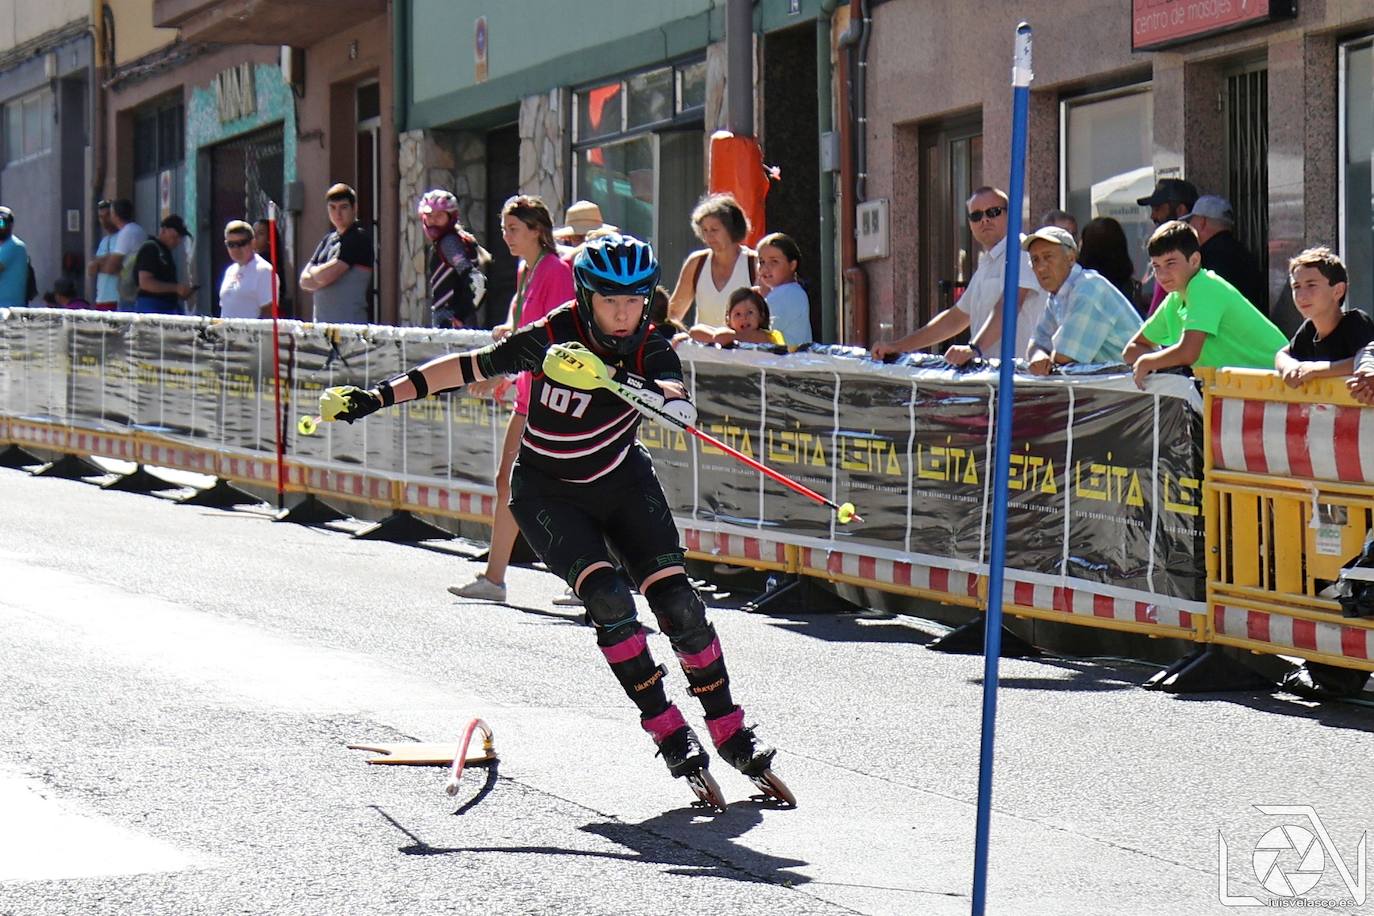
(1326, 343)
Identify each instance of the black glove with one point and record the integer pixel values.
(348, 403)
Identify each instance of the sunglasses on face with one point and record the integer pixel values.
(976, 216)
(237, 243)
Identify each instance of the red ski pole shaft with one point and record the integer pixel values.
(761, 467)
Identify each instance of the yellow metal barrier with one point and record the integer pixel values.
(1288, 500)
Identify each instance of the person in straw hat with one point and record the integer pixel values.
(582, 217)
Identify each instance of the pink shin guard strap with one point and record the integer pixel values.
(721, 729)
(625, 650)
(663, 724)
(697, 660)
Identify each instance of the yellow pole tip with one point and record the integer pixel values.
(307, 426)
(846, 513)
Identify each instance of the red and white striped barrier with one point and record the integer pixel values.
(855, 567)
(1094, 607)
(448, 501)
(162, 454)
(359, 484)
(1309, 441)
(106, 445)
(1250, 628)
(39, 435)
(733, 546)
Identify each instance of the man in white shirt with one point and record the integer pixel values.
(980, 307)
(246, 291)
(128, 238)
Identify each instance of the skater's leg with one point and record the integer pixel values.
(622, 640)
(569, 539)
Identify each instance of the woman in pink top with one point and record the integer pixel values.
(543, 283)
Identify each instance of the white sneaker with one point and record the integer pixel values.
(568, 599)
(481, 588)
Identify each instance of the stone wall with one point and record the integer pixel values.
(543, 169)
(455, 160)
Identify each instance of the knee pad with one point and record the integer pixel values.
(681, 614)
(610, 605)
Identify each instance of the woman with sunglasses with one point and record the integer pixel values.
(246, 290)
(979, 309)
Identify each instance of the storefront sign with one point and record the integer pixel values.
(235, 96)
(1157, 24)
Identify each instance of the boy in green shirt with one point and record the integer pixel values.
(1204, 321)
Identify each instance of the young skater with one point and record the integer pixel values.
(581, 479)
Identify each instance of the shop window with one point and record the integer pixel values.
(638, 153)
(28, 126)
(159, 149)
(1357, 170)
(1106, 165)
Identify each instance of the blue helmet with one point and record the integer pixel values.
(615, 265)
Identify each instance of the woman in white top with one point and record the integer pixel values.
(710, 275)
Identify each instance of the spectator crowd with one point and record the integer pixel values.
(1078, 299)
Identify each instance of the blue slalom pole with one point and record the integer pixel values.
(992, 637)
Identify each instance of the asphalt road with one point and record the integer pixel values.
(178, 687)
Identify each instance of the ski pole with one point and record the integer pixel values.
(567, 365)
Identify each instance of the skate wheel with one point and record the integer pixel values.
(707, 789)
(774, 788)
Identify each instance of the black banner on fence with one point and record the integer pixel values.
(1105, 481)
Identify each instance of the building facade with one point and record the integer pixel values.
(276, 104)
(612, 102)
(47, 85)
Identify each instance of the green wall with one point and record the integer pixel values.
(536, 45)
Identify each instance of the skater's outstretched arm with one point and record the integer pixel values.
(518, 352)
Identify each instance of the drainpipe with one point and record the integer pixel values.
(825, 119)
(400, 63)
(739, 55)
(855, 277)
(95, 95)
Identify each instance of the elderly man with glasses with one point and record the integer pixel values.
(980, 307)
(246, 290)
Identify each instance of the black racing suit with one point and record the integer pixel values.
(582, 480)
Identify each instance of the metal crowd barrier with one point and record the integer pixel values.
(1114, 526)
(1289, 500)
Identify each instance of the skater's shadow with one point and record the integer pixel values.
(657, 841)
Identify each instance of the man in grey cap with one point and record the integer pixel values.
(1213, 219)
(1087, 319)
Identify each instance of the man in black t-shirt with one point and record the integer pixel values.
(1326, 343)
(159, 293)
(340, 270)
